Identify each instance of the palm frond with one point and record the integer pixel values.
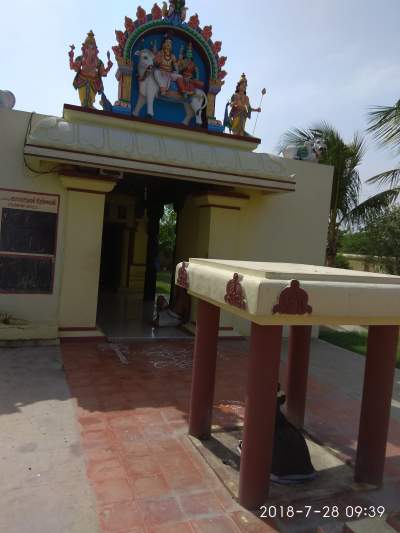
(372, 207)
(385, 125)
(389, 178)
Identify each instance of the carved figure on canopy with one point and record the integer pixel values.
(207, 32)
(167, 66)
(217, 47)
(156, 12)
(89, 71)
(189, 80)
(194, 21)
(129, 25)
(183, 68)
(176, 12)
(141, 15)
(240, 109)
(149, 89)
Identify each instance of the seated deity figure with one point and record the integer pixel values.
(89, 71)
(189, 81)
(240, 109)
(166, 66)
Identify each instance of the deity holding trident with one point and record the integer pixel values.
(89, 71)
(240, 109)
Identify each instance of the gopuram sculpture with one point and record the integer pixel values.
(240, 109)
(189, 80)
(89, 71)
(166, 66)
(169, 69)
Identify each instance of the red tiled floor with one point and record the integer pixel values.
(133, 418)
(160, 511)
(182, 527)
(220, 524)
(113, 490)
(150, 486)
(200, 503)
(118, 517)
(110, 468)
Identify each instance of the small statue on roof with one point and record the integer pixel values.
(89, 71)
(166, 65)
(129, 25)
(240, 109)
(189, 71)
(207, 32)
(176, 12)
(141, 15)
(217, 47)
(156, 12)
(194, 21)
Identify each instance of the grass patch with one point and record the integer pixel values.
(351, 340)
(163, 285)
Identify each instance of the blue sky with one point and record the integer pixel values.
(318, 59)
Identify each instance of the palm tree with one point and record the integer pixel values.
(345, 158)
(385, 126)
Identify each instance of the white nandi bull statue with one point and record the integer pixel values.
(149, 89)
(309, 151)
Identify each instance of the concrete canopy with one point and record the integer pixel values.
(97, 139)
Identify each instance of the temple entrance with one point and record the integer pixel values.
(138, 256)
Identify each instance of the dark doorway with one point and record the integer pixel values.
(111, 256)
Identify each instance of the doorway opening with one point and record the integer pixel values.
(138, 256)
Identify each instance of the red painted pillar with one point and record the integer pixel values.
(375, 409)
(259, 422)
(297, 373)
(204, 363)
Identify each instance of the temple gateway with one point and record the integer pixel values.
(82, 194)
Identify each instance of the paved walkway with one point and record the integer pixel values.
(132, 406)
(43, 484)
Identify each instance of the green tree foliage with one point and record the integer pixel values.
(383, 236)
(167, 231)
(354, 243)
(385, 127)
(341, 261)
(345, 159)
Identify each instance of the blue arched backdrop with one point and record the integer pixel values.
(168, 111)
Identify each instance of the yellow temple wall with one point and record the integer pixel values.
(41, 309)
(289, 227)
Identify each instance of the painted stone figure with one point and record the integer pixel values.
(189, 81)
(129, 25)
(240, 109)
(176, 12)
(194, 21)
(141, 15)
(89, 71)
(166, 66)
(156, 12)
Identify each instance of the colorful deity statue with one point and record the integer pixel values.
(141, 15)
(189, 71)
(89, 71)
(121, 38)
(207, 32)
(240, 109)
(222, 61)
(176, 12)
(166, 66)
(156, 12)
(194, 21)
(129, 25)
(217, 47)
